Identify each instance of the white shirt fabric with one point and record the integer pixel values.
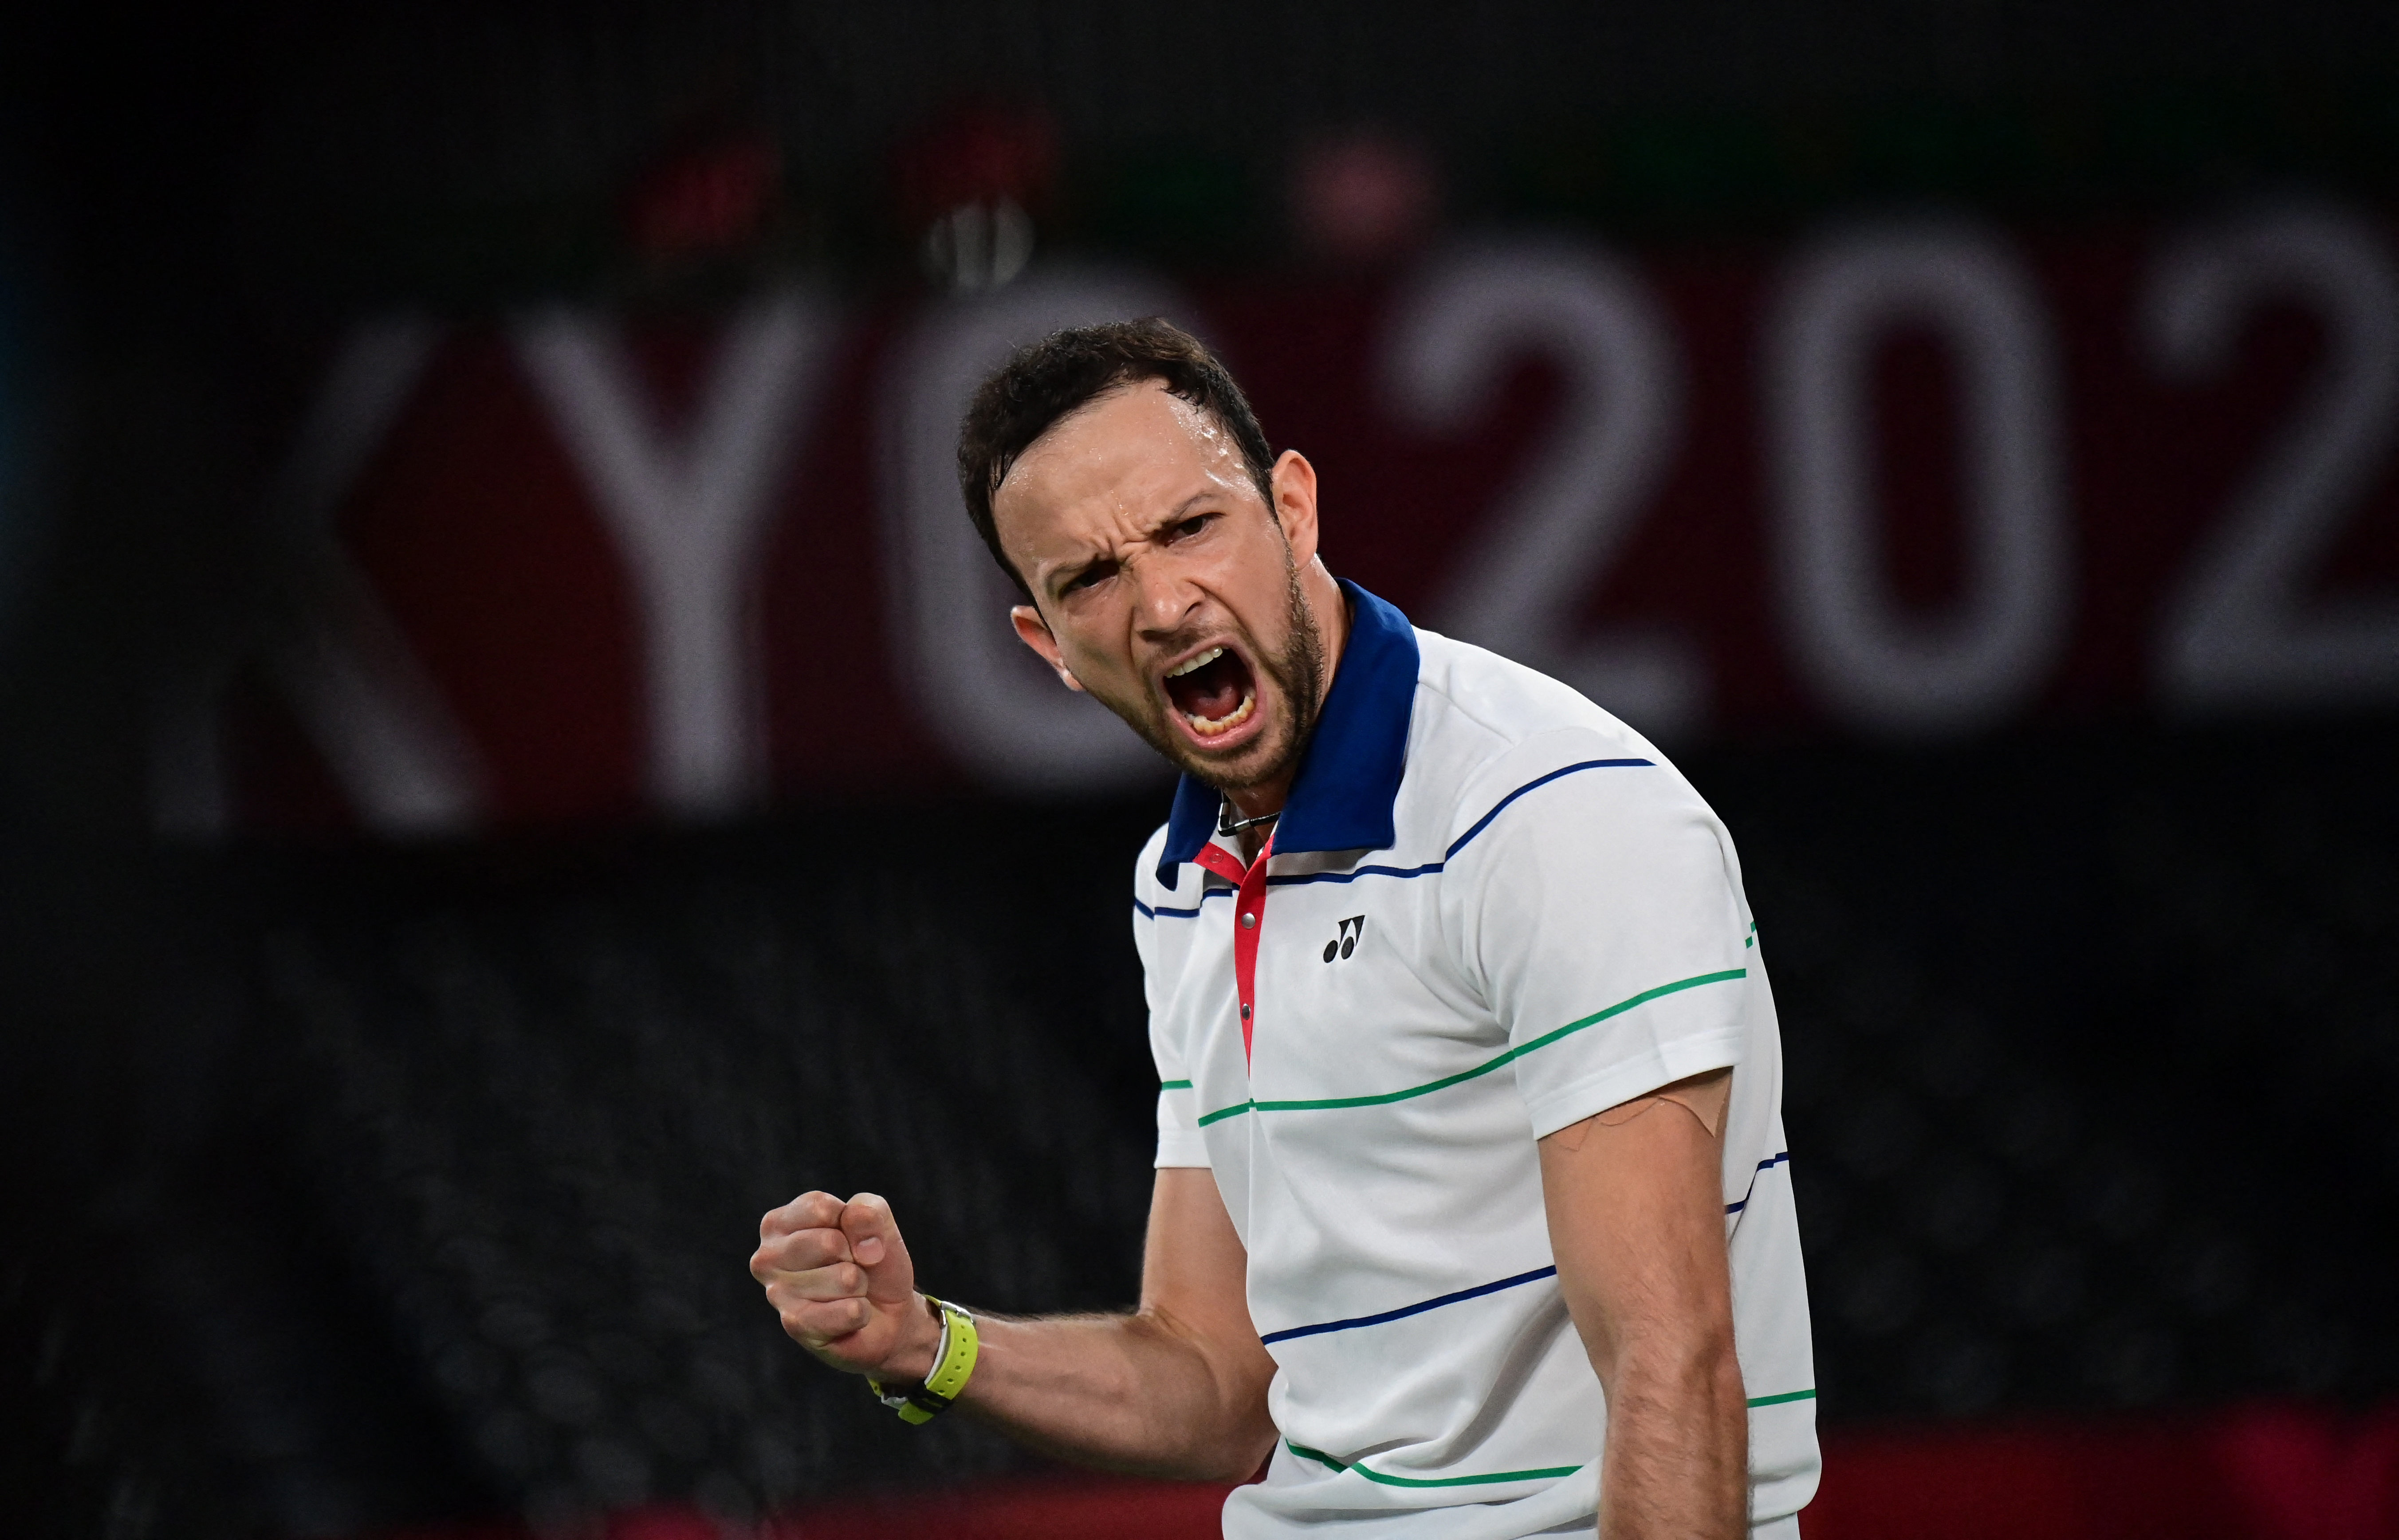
(1490, 911)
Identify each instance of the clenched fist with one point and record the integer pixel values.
(838, 1275)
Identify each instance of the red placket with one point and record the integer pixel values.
(1249, 919)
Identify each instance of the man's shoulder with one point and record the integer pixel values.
(1481, 717)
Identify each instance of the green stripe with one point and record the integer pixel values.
(1786, 1395)
(1548, 1474)
(1329, 1104)
(1175, 1084)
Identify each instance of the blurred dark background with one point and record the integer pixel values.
(505, 776)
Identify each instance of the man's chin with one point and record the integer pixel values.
(1265, 755)
(1257, 761)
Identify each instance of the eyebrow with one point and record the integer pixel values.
(1061, 575)
(1185, 506)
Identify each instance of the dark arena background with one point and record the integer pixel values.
(511, 763)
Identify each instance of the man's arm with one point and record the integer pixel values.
(1177, 1388)
(1636, 1220)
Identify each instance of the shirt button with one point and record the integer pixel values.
(1245, 1013)
(1249, 922)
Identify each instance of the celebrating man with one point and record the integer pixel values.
(1472, 1217)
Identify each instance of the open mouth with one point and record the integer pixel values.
(1214, 690)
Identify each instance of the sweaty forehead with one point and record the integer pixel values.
(1132, 454)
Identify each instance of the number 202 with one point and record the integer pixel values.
(2234, 634)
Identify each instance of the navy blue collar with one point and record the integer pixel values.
(1342, 798)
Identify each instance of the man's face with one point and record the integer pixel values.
(1165, 586)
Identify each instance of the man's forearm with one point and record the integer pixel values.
(1126, 1392)
(1677, 1461)
(1177, 1388)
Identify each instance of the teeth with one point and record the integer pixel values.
(1209, 727)
(1211, 656)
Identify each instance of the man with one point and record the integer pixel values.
(1472, 1217)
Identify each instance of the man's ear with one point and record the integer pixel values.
(1034, 632)
(1295, 489)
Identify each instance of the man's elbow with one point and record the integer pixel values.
(1242, 1438)
(1225, 1453)
(1689, 1360)
(1226, 1430)
(1236, 1459)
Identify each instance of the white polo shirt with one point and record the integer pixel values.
(1490, 909)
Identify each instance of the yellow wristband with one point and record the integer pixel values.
(953, 1364)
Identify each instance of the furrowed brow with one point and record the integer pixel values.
(1181, 510)
(1055, 580)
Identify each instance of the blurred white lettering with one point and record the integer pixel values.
(1469, 317)
(386, 736)
(1876, 665)
(2236, 634)
(688, 517)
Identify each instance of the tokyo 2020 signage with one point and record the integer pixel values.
(1915, 478)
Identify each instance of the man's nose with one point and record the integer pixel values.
(1163, 594)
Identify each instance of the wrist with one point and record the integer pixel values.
(920, 1344)
(955, 1352)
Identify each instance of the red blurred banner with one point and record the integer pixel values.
(1917, 480)
(2263, 1472)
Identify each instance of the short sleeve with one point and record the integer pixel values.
(1595, 903)
(1179, 1141)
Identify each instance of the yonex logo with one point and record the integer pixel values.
(1346, 942)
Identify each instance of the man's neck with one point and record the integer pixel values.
(1330, 608)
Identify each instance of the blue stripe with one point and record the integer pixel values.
(1429, 869)
(1766, 1165)
(1406, 1310)
(1353, 876)
(1533, 785)
(1165, 911)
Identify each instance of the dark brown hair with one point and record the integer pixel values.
(1065, 371)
